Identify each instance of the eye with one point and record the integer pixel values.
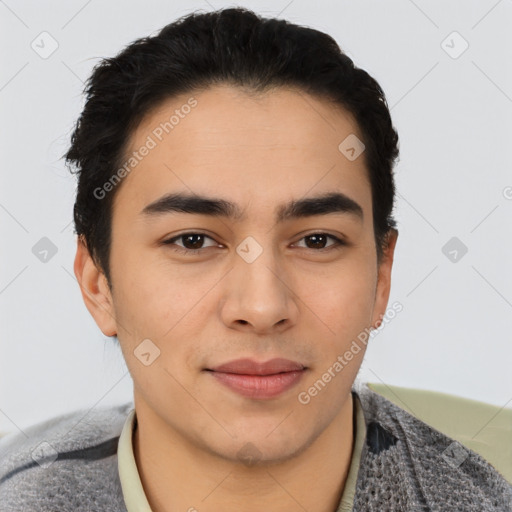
(318, 241)
(192, 242)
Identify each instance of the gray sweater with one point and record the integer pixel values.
(405, 465)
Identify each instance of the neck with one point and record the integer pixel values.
(178, 476)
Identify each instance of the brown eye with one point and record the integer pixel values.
(318, 241)
(190, 242)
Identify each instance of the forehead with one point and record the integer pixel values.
(224, 115)
(246, 146)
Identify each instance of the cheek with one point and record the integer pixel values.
(163, 305)
(144, 289)
(344, 298)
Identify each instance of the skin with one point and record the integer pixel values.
(201, 310)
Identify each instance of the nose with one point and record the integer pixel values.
(257, 297)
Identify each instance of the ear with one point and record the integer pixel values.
(384, 279)
(95, 289)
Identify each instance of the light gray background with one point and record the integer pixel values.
(454, 118)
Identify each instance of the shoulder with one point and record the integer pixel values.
(479, 426)
(419, 464)
(68, 462)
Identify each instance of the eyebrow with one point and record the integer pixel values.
(334, 202)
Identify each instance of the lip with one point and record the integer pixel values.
(252, 367)
(259, 380)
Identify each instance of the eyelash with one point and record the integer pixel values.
(337, 245)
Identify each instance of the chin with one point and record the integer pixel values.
(259, 448)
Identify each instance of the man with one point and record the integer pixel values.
(235, 234)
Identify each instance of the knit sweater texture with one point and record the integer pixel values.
(69, 463)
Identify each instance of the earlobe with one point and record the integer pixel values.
(384, 279)
(94, 288)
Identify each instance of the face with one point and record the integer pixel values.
(267, 281)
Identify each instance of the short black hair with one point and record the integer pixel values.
(232, 46)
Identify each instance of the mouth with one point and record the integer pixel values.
(259, 380)
(252, 367)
